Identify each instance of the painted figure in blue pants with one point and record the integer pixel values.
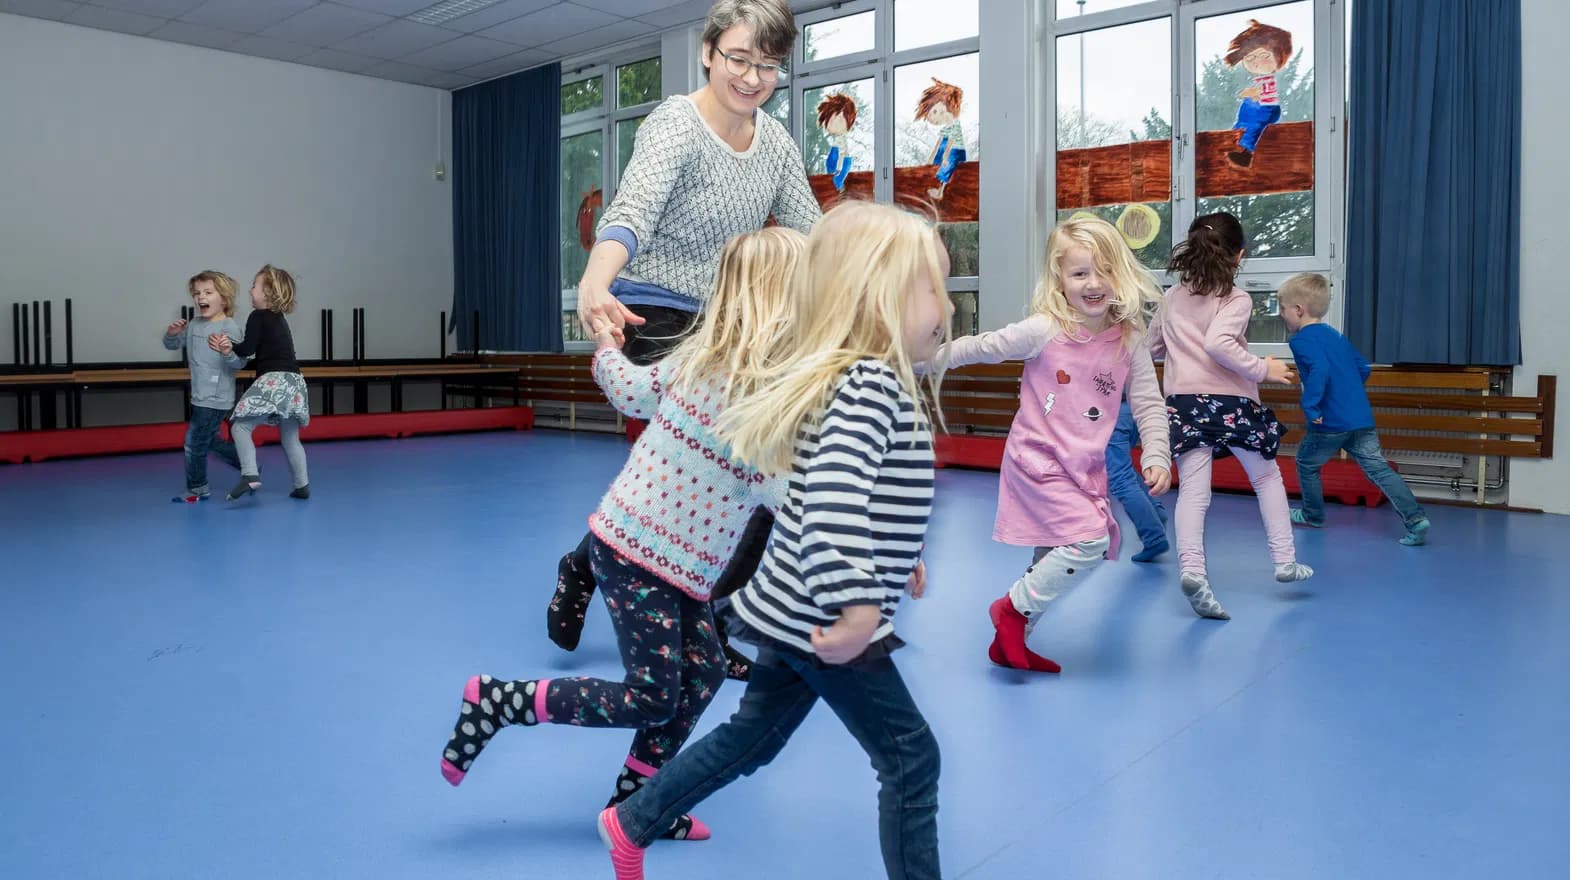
(940, 105)
(1262, 50)
(1148, 514)
(837, 116)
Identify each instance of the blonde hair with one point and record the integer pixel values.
(1134, 289)
(851, 293)
(747, 314)
(1310, 290)
(279, 287)
(773, 25)
(222, 284)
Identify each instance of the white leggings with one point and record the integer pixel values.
(1055, 570)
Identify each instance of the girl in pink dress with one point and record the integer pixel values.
(1084, 342)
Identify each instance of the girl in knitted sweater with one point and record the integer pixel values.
(663, 533)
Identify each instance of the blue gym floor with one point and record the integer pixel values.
(263, 690)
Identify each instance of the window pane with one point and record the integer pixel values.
(1075, 8)
(638, 83)
(937, 149)
(585, 94)
(840, 36)
(1254, 111)
(920, 23)
(582, 199)
(1114, 132)
(1265, 324)
(966, 311)
(778, 106)
(626, 136)
(837, 145)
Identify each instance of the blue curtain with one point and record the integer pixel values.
(1434, 167)
(506, 148)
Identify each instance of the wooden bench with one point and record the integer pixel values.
(1456, 411)
(40, 445)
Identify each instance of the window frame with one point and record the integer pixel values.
(604, 119)
(877, 64)
(1330, 64)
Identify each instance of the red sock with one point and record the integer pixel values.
(1010, 637)
(1037, 662)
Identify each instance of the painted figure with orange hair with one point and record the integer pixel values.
(940, 106)
(837, 116)
(1262, 50)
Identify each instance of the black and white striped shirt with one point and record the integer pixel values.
(855, 516)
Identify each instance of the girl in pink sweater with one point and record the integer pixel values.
(1083, 344)
(1213, 400)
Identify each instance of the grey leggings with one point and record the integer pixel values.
(288, 435)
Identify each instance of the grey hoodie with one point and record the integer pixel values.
(212, 374)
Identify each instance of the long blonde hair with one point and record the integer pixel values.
(1134, 289)
(851, 293)
(748, 313)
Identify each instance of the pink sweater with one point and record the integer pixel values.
(1052, 489)
(1205, 343)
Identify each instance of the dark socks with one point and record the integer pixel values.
(574, 592)
(628, 784)
(488, 706)
(301, 493)
(248, 483)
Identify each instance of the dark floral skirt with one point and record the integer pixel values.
(1222, 422)
(274, 397)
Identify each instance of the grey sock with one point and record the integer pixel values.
(1196, 587)
(1287, 572)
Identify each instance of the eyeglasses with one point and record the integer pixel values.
(738, 66)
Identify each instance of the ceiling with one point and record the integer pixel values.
(406, 40)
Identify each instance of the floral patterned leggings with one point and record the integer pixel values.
(670, 651)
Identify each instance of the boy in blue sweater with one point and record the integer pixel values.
(1336, 408)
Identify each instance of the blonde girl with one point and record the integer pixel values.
(843, 416)
(1082, 344)
(663, 533)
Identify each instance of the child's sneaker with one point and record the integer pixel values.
(1416, 534)
(1301, 519)
(191, 497)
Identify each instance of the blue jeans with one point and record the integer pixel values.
(871, 700)
(1319, 447)
(1253, 118)
(201, 437)
(948, 159)
(1148, 514)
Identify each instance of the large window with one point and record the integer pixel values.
(884, 98)
(602, 107)
(1166, 110)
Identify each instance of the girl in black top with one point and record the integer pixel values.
(278, 396)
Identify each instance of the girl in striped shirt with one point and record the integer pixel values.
(843, 415)
(663, 533)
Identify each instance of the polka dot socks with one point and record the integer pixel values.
(488, 706)
(633, 776)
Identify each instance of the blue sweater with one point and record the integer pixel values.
(1332, 374)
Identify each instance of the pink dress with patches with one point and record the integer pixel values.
(1052, 490)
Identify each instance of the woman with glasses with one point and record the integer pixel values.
(705, 167)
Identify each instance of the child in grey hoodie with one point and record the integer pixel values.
(212, 377)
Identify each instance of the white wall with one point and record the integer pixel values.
(1545, 191)
(128, 164)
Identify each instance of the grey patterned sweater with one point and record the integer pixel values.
(686, 192)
